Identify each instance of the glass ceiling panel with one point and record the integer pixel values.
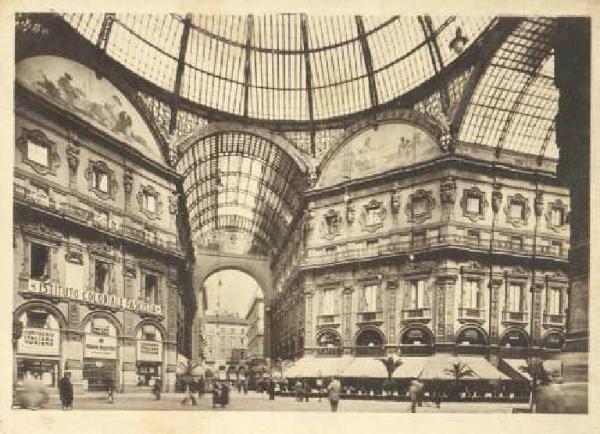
(515, 102)
(257, 66)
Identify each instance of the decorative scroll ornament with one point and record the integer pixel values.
(496, 198)
(420, 206)
(331, 224)
(448, 191)
(538, 203)
(372, 216)
(73, 156)
(173, 202)
(127, 181)
(395, 201)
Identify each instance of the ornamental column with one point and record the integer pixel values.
(309, 333)
(347, 320)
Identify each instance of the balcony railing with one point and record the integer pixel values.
(372, 351)
(470, 313)
(370, 316)
(514, 317)
(328, 319)
(554, 318)
(418, 313)
(342, 253)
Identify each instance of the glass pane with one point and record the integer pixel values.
(473, 205)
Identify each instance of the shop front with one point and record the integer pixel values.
(38, 349)
(100, 355)
(149, 355)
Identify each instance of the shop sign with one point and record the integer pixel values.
(39, 341)
(109, 300)
(100, 347)
(149, 351)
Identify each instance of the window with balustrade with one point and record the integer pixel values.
(369, 298)
(150, 288)
(514, 299)
(554, 302)
(471, 297)
(327, 302)
(416, 294)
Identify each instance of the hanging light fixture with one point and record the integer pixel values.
(459, 42)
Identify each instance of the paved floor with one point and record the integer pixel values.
(256, 402)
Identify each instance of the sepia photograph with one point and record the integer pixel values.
(297, 212)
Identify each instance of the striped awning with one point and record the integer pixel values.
(517, 368)
(440, 367)
(317, 367)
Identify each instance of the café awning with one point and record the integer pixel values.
(316, 367)
(441, 367)
(516, 368)
(411, 367)
(365, 367)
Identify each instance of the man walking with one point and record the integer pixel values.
(416, 388)
(334, 389)
(65, 389)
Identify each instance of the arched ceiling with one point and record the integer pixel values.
(281, 67)
(239, 185)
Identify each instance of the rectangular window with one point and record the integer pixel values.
(419, 206)
(516, 210)
(102, 276)
(417, 293)
(515, 294)
(370, 298)
(38, 153)
(37, 319)
(151, 288)
(557, 217)
(327, 302)
(471, 294)
(557, 248)
(473, 205)
(554, 301)
(373, 217)
(39, 262)
(516, 243)
(100, 180)
(149, 202)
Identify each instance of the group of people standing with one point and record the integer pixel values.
(303, 389)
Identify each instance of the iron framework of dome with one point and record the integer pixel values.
(308, 78)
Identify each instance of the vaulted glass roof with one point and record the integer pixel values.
(243, 185)
(281, 67)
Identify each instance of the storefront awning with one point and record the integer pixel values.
(315, 367)
(441, 367)
(411, 367)
(517, 368)
(365, 367)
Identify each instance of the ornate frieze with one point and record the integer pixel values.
(372, 216)
(420, 205)
(103, 189)
(474, 204)
(46, 160)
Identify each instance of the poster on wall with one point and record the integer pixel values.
(100, 347)
(39, 341)
(149, 351)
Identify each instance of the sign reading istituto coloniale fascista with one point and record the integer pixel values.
(109, 300)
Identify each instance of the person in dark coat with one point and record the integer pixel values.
(216, 394)
(200, 387)
(334, 389)
(156, 389)
(298, 388)
(306, 390)
(224, 394)
(65, 388)
(271, 390)
(110, 390)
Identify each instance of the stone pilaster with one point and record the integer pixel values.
(309, 332)
(449, 283)
(347, 317)
(495, 285)
(392, 289)
(536, 312)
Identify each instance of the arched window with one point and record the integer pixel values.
(149, 332)
(100, 326)
(515, 338)
(415, 336)
(471, 336)
(554, 341)
(328, 339)
(369, 342)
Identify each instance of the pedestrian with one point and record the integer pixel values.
(416, 389)
(156, 389)
(224, 394)
(200, 386)
(306, 390)
(110, 390)
(334, 389)
(319, 387)
(299, 390)
(65, 388)
(271, 390)
(216, 394)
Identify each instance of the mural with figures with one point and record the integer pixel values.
(378, 150)
(76, 88)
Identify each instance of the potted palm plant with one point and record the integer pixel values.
(458, 370)
(390, 363)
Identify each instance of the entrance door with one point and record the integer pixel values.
(97, 372)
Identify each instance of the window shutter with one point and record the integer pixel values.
(113, 279)
(426, 295)
(159, 281)
(379, 301)
(336, 303)
(523, 298)
(26, 256)
(479, 302)
(407, 290)
(53, 266)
